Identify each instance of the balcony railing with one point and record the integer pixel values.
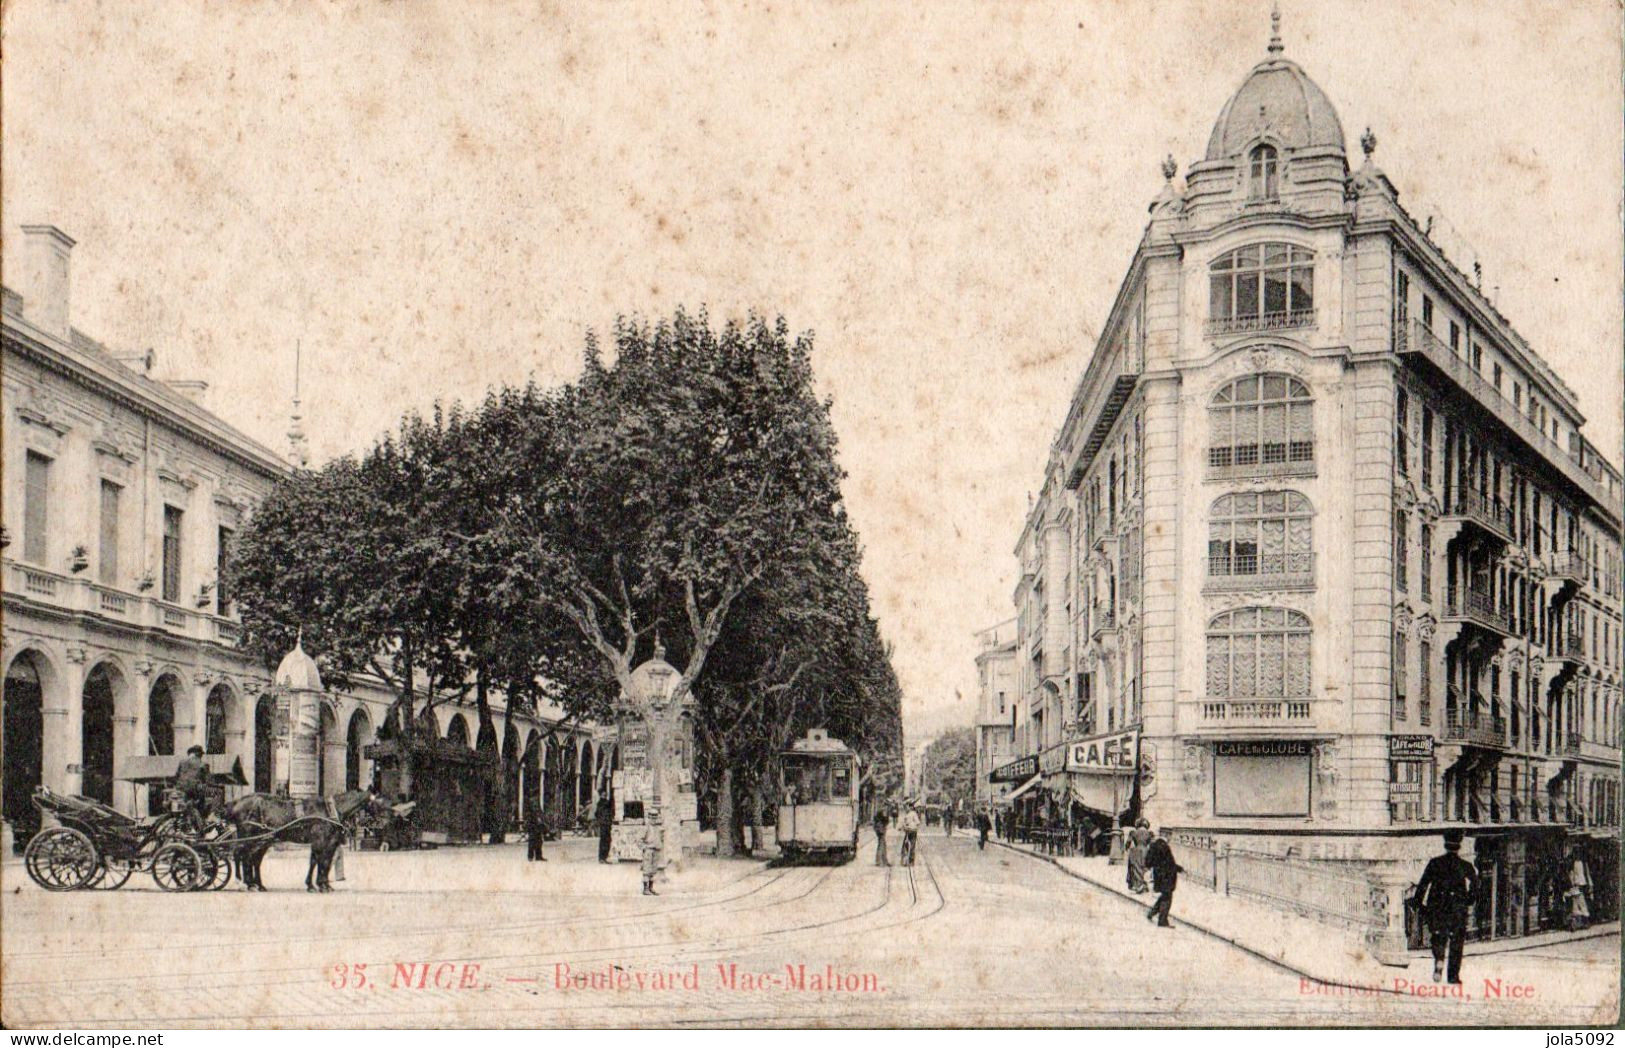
(1569, 646)
(1567, 564)
(78, 593)
(1477, 607)
(1246, 712)
(1479, 729)
(1420, 340)
(1277, 321)
(1482, 510)
(1244, 571)
(1569, 744)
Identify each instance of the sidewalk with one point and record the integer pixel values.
(1321, 952)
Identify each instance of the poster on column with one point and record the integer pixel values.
(304, 758)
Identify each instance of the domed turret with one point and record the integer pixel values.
(1280, 101)
(298, 670)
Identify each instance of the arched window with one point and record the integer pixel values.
(1263, 172)
(1261, 534)
(1262, 424)
(1261, 286)
(1258, 653)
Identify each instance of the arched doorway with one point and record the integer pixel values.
(96, 747)
(584, 778)
(530, 778)
(356, 738)
(22, 747)
(330, 753)
(264, 743)
(457, 731)
(160, 731)
(511, 756)
(219, 718)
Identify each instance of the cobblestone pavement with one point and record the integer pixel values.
(476, 936)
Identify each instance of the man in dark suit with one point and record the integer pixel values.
(603, 817)
(1159, 859)
(1444, 897)
(535, 833)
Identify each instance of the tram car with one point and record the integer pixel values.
(818, 812)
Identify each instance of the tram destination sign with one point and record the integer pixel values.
(1019, 770)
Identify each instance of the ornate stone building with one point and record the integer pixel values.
(121, 496)
(1323, 532)
(995, 707)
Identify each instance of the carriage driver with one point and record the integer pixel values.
(192, 780)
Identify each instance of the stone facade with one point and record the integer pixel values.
(121, 496)
(995, 707)
(1324, 530)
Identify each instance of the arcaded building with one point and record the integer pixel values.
(1323, 535)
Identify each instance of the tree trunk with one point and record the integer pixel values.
(661, 731)
(493, 797)
(756, 816)
(725, 814)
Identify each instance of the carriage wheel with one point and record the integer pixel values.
(177, 868)
(111, 875)
(209, 866)
(61, 859)
(222, 869)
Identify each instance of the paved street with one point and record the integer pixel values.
(969, 936)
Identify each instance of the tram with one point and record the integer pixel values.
(818, 813)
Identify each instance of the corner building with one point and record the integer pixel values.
(1325, 532)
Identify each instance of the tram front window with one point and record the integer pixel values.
(841, 780)
(806, 782)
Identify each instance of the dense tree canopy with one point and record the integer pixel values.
(540, 542)
(948, 774)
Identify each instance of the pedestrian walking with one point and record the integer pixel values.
(984, 825)
(910, 825)
(1444, 896)
(535, 834)
(1159, 858)
(880, 822)
(948, 821)
(651, 851)
(1138, 841)
(603, 818)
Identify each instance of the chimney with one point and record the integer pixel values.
(45, 271)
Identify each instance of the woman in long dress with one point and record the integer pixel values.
(1139, 843)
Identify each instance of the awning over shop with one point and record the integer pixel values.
(1023, 788)
(1107, 794)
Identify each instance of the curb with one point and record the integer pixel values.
(1125, 896)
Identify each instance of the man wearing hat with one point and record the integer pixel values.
(192, 780)
(1444, 897)
(651, 851)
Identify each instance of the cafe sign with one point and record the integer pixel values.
(1019, 770)
(1113, 752)
(1410, 747)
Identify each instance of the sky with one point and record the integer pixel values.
(431, 198)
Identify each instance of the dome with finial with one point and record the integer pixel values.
(297, 671)
(1278, 100)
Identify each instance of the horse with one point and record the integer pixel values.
(259, 813)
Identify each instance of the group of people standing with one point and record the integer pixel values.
(1151, 867)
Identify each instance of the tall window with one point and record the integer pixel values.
(1426, 556)
(1262, 421)
(1258, 653)
(36, 508)
(222, 553)
(1402, 425)
(1402, 303)
(1400, 652)
(1260, 533)
(1455, 338)
(172, 554)
(1261, 285)
(1427, 448)
(107, 555)
(1424, 683)
(1427, 312)
(1401, 537)
(1264, 173)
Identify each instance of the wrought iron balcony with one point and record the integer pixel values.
(1569, 565)
(1249, 571)
(1476, 607)
(1480, 509)
(1477, 729)
(1277, 321)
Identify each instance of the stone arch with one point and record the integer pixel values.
(165, 701)
(105, 695)
(330, 752)
(584, 775)
(22, 741)
(457, 731)
(512, 755)
(264, 728)
(358, 733)
(223, 721)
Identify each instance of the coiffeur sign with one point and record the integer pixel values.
(1019, 770)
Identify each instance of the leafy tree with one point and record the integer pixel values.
(949, 772)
